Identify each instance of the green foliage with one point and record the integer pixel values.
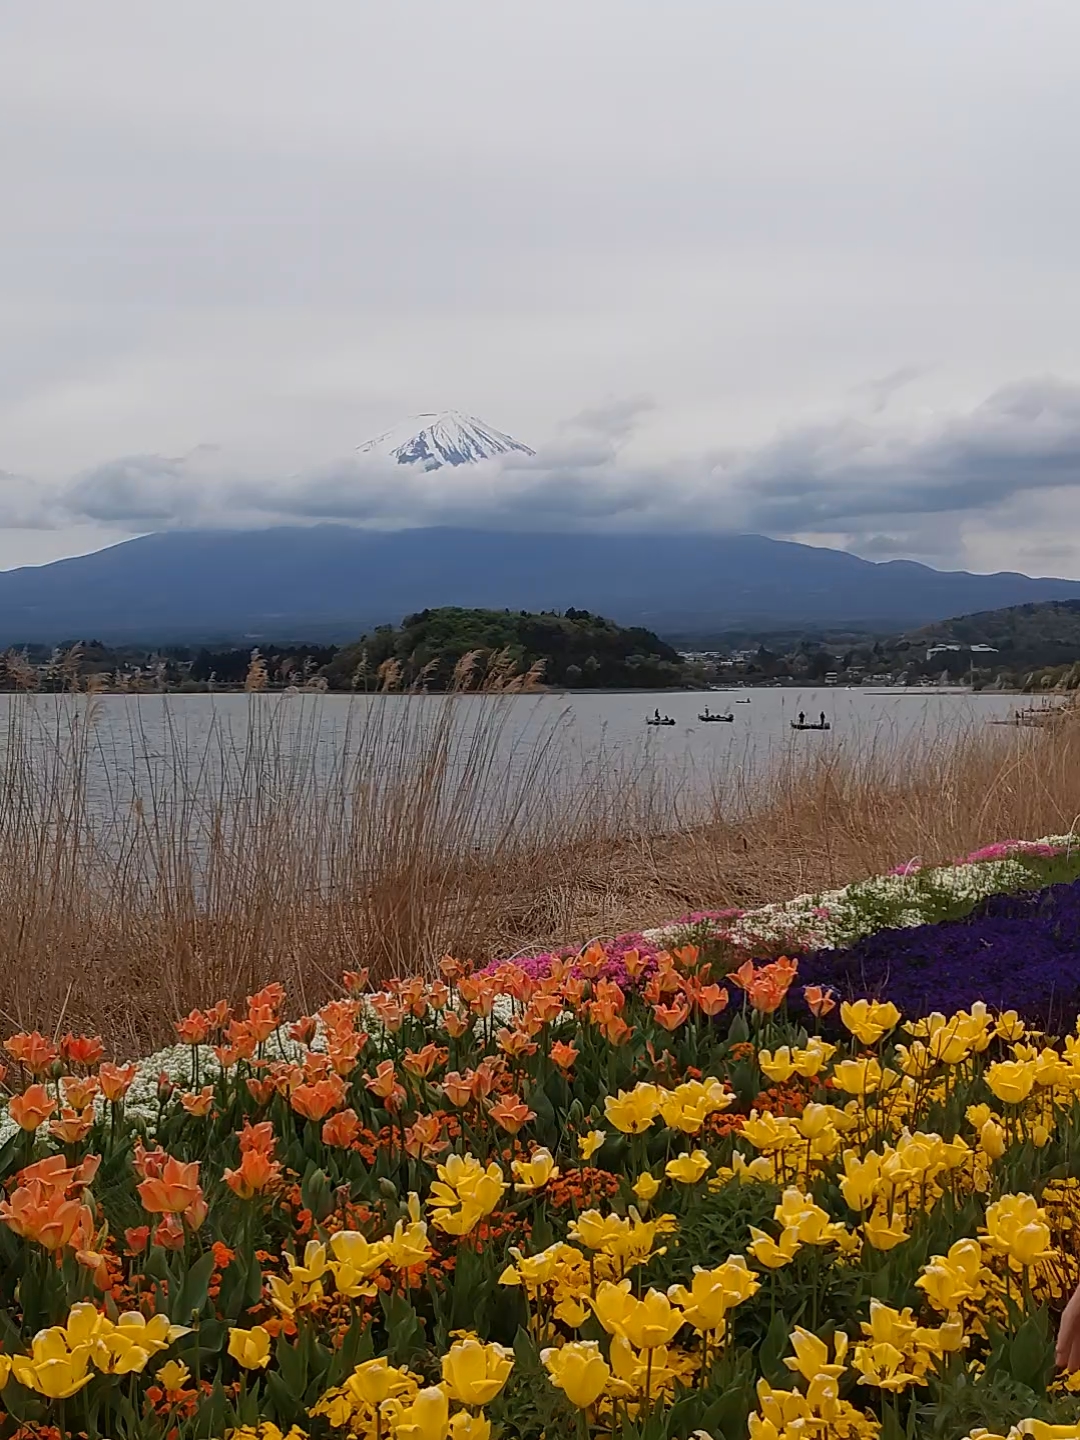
(575, 648)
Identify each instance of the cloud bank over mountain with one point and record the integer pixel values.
(878, 484)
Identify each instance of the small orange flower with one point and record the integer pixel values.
(511, 1114)
(341, 1129)
(355, 981)
(261, 1091)
(32, 1108)
(175, 1189)
(137, 1237)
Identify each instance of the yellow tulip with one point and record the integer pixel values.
(374, 1381)
(154, 1334)
(869, 1020)
(469, 1427)
(646, 1187)
(173, 1375)
(579, 1370)
(652, 1321)
(633, 1111)
(811, 1357)
(536, 1172)
(688, 1168)
(474, 1373)
(356, 1252)
(1011, 1081)
(992, 1140)
(250, 1348)
(777, 1065)
(1016, 1227)
(427, 1418)
(408, 1245)
(771, 1253)
(590, 1143)
(883, 1233)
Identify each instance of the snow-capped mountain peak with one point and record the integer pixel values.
(447, 438)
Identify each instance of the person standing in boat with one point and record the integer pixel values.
(802, 717)
(823, 719)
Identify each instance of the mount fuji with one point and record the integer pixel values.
(447, 438)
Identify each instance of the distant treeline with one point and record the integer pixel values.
(433, 650)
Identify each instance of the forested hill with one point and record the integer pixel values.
(1046, 633)
(574, 648)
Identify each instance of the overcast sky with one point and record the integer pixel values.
(805, 268)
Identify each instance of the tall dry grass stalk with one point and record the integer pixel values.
(146, 867)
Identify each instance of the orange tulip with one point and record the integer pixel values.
(563, 1055)
(316, 1101)
(73, 1126)
(175, 1189)
(82, 1049)
(33, 1050)
(457, 1088)
(672, 1016)
(32, 1108)
(456, 1024)
(425, 1137)
(515, 1044)
(255, 1174)
(79, 1091)
(615, 1030)
(194, 1028)
(44, 1216)
(355, 981)
(303, 1030)
(819, 1000)
(257, 1137)
(261, 1091)
(341, 1129)
(382, 1083)
(199, 1104)
(115, 1080)
(710, 999)
(511, 1114)
(422, 1062)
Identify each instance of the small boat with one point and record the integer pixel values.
(659, 720)
(810, 725)
(743, 702)
(708, 717)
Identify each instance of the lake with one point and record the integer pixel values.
(281, 748)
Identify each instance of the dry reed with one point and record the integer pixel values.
(196, 860)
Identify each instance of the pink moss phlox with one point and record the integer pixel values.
(1003, 849)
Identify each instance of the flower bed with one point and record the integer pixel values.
(539, 1200)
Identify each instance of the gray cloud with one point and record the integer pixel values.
(884, 489)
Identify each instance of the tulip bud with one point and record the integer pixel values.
(57, 1069)
(387, 1189)
(165, 1087)
(576, 1113)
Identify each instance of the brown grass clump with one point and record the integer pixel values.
(141, 878)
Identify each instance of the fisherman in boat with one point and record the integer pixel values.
(823, 719)
(802, 717)
(657, 716)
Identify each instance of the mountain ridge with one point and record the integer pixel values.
(333, 581)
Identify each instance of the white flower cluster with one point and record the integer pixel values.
(833, 919)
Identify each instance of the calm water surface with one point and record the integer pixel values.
(141, 745)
